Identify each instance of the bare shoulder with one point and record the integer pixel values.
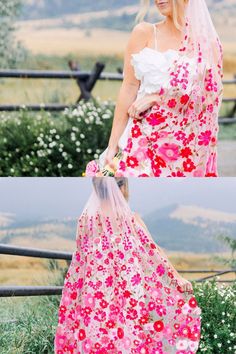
(142, 27)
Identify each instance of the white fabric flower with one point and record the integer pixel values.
(151, 67)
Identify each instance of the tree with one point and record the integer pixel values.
(11, 52)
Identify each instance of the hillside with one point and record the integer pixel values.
(179, 228)
(60, 28)
(34, 9)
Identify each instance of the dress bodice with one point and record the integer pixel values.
(153, 68)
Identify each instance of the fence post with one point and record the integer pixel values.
(86, 85)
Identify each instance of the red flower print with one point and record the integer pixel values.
(158, 326)
(184, 99)
(81, 334)
(169, 152)
(158, 161)
(192, 302)
(181, 302)
(109, 281)
(126, 294)
(205, 138)
(120, 333)
(136, 279)
(155, 119)
(210, 174)
(151, 306)
(188, 165)
(103, 304)
(143, 320)
(132, 162)
(154, 136)
(172, 103)
(136, 132)
(186, 152)
(110, 324)
(177, 174)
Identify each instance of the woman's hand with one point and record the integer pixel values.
(142, 104)
(185, 285)
(111, 152)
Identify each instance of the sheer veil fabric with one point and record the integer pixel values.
(120, 293)
(178, 136)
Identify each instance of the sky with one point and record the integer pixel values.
(48, 198)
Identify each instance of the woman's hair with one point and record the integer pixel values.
(101, 189)
(178, 11)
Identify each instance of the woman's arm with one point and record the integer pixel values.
(129, 87)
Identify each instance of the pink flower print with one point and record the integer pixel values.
(167, 331)
(122, 166)
(155, 119)
(109, 281)
(129, 145)
(205, 138)
(100, 316)
(198, 173)
(126, 342)
(182, 344)
(142, 142)
(160, 270)
(87, 345)
(91, 168)
(170, 301)
(180, 135)
(161, 310)
(193, 346)
(140, 154)
(170, 152)
(136, 279)
(60, 341)
(210, 108)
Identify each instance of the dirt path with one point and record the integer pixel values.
(227, 158)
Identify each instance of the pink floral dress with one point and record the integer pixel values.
(170, 140)
(120, 296)
(178, 136)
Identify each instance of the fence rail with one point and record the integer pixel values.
(86, 81)
(9, 291)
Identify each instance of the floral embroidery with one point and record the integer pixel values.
(122, 297)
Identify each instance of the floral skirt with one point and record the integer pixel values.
(125, 299)
(164, 145)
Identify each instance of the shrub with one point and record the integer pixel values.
(218, 333)
(46, 144)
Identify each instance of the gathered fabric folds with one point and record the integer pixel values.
(120, 293)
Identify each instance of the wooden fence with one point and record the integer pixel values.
(86, 81)
(8, 291)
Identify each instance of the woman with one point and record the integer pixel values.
(166, 117)
(121, 294)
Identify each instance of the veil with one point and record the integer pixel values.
(201, 43)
